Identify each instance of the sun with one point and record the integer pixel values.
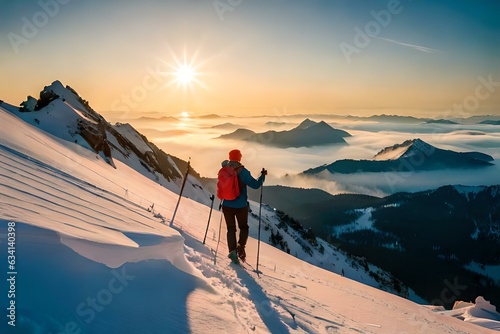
(185, 74)
(185, 71)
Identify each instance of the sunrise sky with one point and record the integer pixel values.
(249, 57)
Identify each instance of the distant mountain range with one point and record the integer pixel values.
(382, 118)
(306, 134)
(226, 125)
(275, 124)
(440, 121)
(391, 119)
(209, 116)
(411, 155)
(490, 122)
(417, 120)
(154, 119)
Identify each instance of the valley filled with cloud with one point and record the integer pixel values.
(198, 138)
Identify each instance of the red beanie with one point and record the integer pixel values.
(235, 155)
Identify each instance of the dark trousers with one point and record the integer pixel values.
(231, 215)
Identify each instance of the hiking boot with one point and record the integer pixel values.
(234, 257)
(241, 252)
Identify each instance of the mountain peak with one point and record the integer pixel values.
(60, 90)
(323, 124)
(407, 148)
(308, 133)
(56, 85)
(411, 155)
(307, 123)
(422, 145)
(63, 113)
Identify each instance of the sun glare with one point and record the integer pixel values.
(185, 73)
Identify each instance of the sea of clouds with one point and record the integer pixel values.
(197, 138)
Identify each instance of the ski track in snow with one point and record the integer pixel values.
(265, 299)
(255, 311)
(224, 278)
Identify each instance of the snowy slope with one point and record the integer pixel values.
(407, 149)
(416, 148)
(129, 132)
(91, 258)
(62, 113)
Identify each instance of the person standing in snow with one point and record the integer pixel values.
(237, 209)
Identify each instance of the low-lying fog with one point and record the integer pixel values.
(197, 138)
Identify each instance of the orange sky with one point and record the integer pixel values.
(258, 59)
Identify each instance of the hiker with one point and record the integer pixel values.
(237, 209)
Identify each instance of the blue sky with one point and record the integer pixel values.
(253, 57)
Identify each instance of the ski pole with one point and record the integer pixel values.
(180, 193)
(220, 227)
(209, 216)
(260, 219)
